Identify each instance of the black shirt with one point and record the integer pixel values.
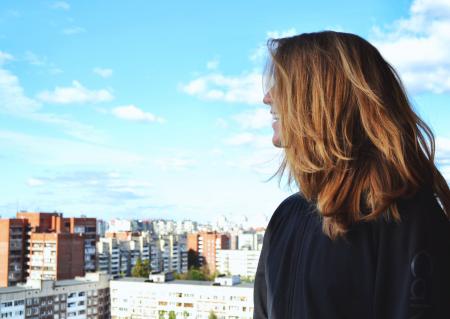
(380, 270)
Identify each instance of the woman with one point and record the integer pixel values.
(368, 234)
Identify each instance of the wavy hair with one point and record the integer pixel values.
(352, 142)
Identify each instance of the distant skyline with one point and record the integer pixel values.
(153, 110)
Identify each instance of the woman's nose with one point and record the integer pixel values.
(267, 99)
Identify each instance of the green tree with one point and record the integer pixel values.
(172, 315)
(193, 259)
(212, 315)
(141, 269)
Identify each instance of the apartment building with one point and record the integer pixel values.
(13, 239)
(174, 255)
(108, 254)
(37, 243)
(250, 240)
(140, 298)
(87, 228)
(155, 255)
(237, 262)
(205, 245)
(118, 252)
(80, 298)
(55, 256)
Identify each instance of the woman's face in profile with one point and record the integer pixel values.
(275, 120)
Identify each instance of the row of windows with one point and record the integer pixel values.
(11, 314)
(10, 303)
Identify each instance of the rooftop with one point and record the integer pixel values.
(12, 289)
(183, 282)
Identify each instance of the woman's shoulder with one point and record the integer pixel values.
(420, 213)
(423, 204)
(294, 204)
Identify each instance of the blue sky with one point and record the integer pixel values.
(153, 110)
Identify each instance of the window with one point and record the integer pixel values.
(18, 302)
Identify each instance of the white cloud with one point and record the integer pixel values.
(175, 163)
(213, 64)
(41, 150)
(133, 113)
(220, 122)
(264, 161)
(34, 59)
(40, 61)
(103, 72)
(419, 46)
(12, 97)
(260, 53)
(60, 5)
(33, 182)
(254, 119)
(73, 128)
(76, 93)
(282, 34)
(4, 57)
(245, 88)
(249, 139)
(73, 30)
(13, 101)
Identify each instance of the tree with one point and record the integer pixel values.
(193, 259)
(212, 315)
(197, 273)
(172, 315)
(141, 269)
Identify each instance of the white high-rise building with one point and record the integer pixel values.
(186, 226)
(108, 254)
(250, 240)
(80, 298)
(118, 253)
(119, 225)
(237, 262)
(139, 298)
(174, 256)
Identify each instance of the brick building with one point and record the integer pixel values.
(56, 256)
(46, 245)
(205, 245)
(13, 235)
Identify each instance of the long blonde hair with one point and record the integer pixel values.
(352, 142)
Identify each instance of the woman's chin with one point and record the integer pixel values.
(276, 141)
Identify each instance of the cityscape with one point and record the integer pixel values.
(80, 267)
(138, 168)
